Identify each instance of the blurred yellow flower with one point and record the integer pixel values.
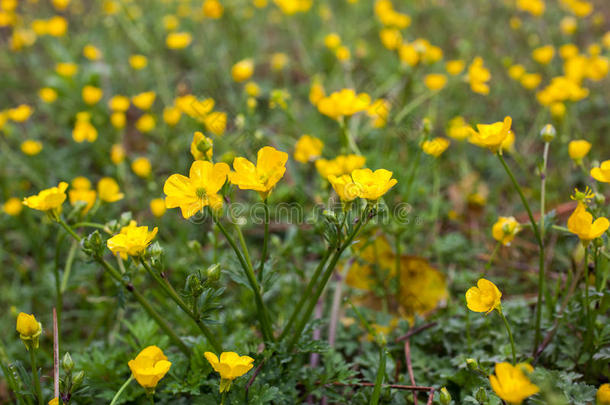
(82, 195)
(458, 129)
(342, 164)
(91, 94)
(491, 136)
(568, 51)
(581, 224)
(391, 38)
(343, 103)
(505, 230)
(308, 148)
(138, 62)
(108, 190)
(20, 113)
(178, 40)
(436, 146)
(511, 382)
(157, 207)
(117, 153)
(47, 94)
(118, 119)
(12, 206)
(146, 123)
(345, 187)
(31, 147)
(212, 9)
(202, 147)
(478, 76)
(332, 41)
(242, 70)
(373, 184)
(534, 7)
(230, 366)
(215, 122)
(144, 100)
(141, 167)
(290, 7)
(80, 183)
(197, 191)
(83, 129)
(435, 81)
(455, 67)
(29, 330)
(172, 115)
(149, 367)
(131, 241)
(568, 25)
(60, 5)
(578, 149)
(408, 54)
(252, 89)
(49, 199)
(270, 168)
(602, 173)
(603, 394)
(378, 111)
(485, 297)
(57, 26)
(384, 10)
(119, 103)
(278, 61)
(91, 52)
(531, 80)
(543, 54)
(516, 72)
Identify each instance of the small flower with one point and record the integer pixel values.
(197, 191)
(583, 196)
(602, 173)
(478, 76)
(82, 195)
(54, 401)
(458, 129)
(485, 297)
(343, 103)
(132, 241)
(212, 9)
(435, 147)
(512, 384)
(581, 224)
(119, 103)
(108, 190)
(378, 111)
(230, 366)
(242, 70)
(342, 164)
(178, 40)
(12, 206)
(491, 136)
(49, 200)
(603, 394)
(455, 67)
(91, 52)
(138, 62)
(31, 147)
(144, 100)
(435, 81)
(66, 69)
(20, 113)
(202, 147)
(157, 207)
(544, 54)
(83, 129)
(578, 149)
(47, 94)
(172, 115)
(270, 168)
(29, 330)
(91, 94)
(373, 185)
(149, 367)
(308, 148)
(117, 153)
(141, 167)
(505, 230)
(345, 188)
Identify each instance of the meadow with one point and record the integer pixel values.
(305, 201)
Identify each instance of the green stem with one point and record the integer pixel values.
(414, 169)
(586, 307)
(68, 229)
(380, 376)
(536, 230)
(68, 266)
(58, 291)
(543, 187)
(261, 266)
(510, 335)
(492, 257)
(171, 292)
(35, 378)
(306, 293)
(247, 267)
(120, 391)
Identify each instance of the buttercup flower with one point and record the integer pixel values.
(66, 69)
(435, 147)
(49, 200)
(491, 136)
(345, 187)
(146, 123)
(29, 330)
(307, 149)
(478, 76)
(505, 230)
(602, 173)
(83, 129)
(544, 54)
(108, 190)
(373, 185)
(132, 240)
(20, 113)
(230, 366)
(202, 147)
(435, 81)
(578, 149)
(119, 103)
(581, 224)
(141, 167)
(117, 153)
(138, 62)
(91, 52)
(603, 394)
(47, 94)
(342, 164)
(12, 206)
(457, 128)
(212, 9)
(379, 111)
(157, 207)
(197, 191)
(91, 94)
(178, 40)
(512, 384)
(242, 70)
(83, 195)
(144, 100)
(485, 297)
(343, 103)
(455, 67)
(31, 147)
(149, 367)
(270, 168)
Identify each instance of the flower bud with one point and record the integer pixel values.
(156, 250)
(126, 218)
(77, 379)
(213, 272)
(93, 245)
(445, 396)
(427, 125)
(29, 330)
(548, 133)
(193, 285)
(472, 364)
(67, 363)
(194, 245)
(600, 199)
(481, 395)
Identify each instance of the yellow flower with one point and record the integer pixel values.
(581, 224)
(516, 72)
(172, 115)
(602, 173)
(80, 183)
(345, 187)
(141, 167)
(531, 80)
(478, 76)
(20, 113)
(343, 103)
(568, 25)
(60, 5)
(483, 298)
(108, 190)
(31, 147)
(197, 191)
(144, 100)
(202, 147)
(270, 168)
(82, 195)
(91, 52)
(117, 153)
(138, 62)
(215, 122)
(212, 9)
(149, 367)
(603, 394)
(458, 129)
(342, 164)
(178, 40)
(118, 119)
(511, 383)
(373, 185)
(578, 149)
(119, 103)
(47, 94)
(83, 129)
(91, 94)
(132, 240)
(290, 7)
(332, 41)
(12, 206)
(435, 81)
(316, 92)
(146, 123)
(491, 136)
(230, 366)
(435, 147)
(343, 53)
(66, 69)
(534, 7)
(57, 26)
(49, 199)
(308, 148)
(505, 230)
(29, 329)
(379, 110)
(544, 54)
(157, 207)
(242, 70)
(252, 89)
(54, 401)
(278, 61)
(391, 38)
(455, 67)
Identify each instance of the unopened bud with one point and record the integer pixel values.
(472, 364)
(481, 395)
(427, 125)
(193, 285)
(77, 379)
(445, 396)
(213, 272)
(548, 133)
(67, 363)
